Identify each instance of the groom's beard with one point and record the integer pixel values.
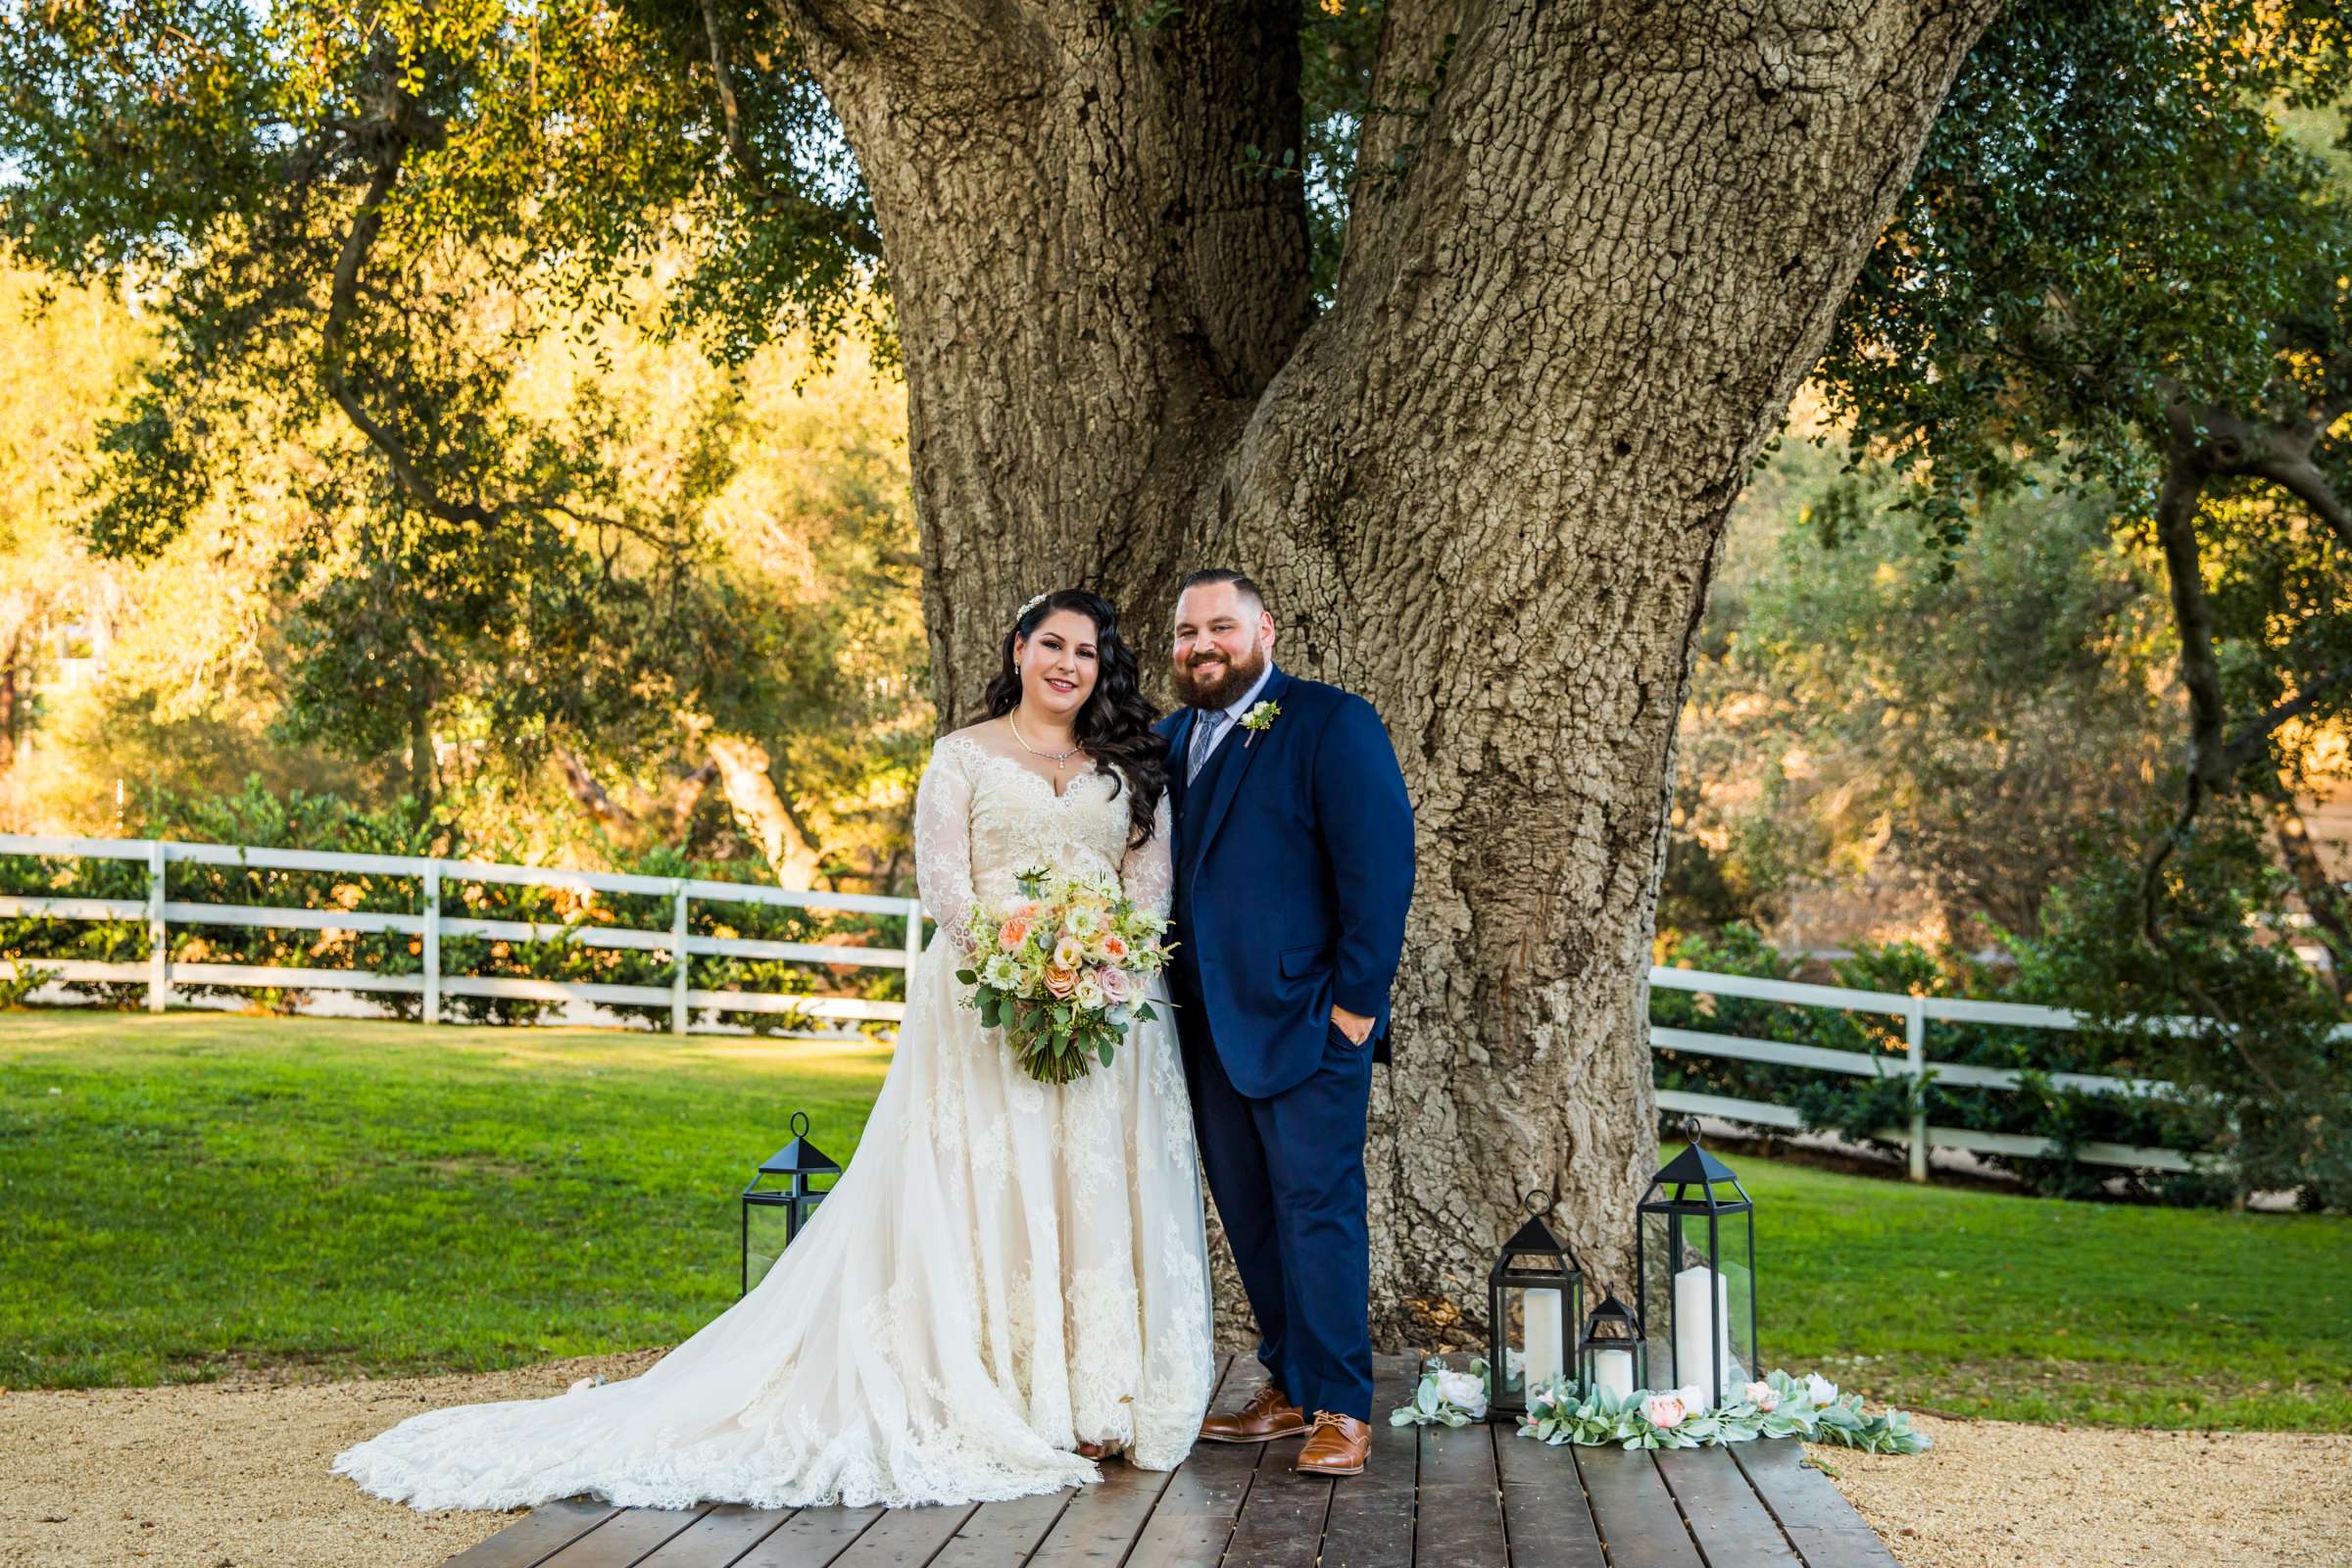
(1212, 682)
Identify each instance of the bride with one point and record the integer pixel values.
(1009, 1279)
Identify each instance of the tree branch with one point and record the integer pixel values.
(401, 127)
(2302, 478)
(592, 796)
(776, 201)
(2249, 742)
(342, 310)
(2329, 910)
(2176, 509)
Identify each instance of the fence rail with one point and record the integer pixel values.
(430, 924)
(1914, 1065)
(427, 922)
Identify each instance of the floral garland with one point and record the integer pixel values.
(1558, 1411)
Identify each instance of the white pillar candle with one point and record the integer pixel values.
(1694, 1348)
(1613, 1370)
(1543, 1319)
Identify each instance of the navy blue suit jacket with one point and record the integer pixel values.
(1292, 875)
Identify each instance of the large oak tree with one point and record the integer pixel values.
(1482, 455)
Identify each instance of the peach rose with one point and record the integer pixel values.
(1013, 933)
(1663, 1410)
(1061, 981)
(1116, 986)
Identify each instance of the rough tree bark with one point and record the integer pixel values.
(1485, 490)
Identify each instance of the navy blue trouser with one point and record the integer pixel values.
(1287, 1174)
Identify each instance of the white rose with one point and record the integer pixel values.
(1465, 1391)
(1089, 993)
(1820, 1391)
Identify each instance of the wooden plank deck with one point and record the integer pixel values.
(1474, 1497)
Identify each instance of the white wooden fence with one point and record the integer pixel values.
(1916, 1012)
(430, 924)
(161, 975)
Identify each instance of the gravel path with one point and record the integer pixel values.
(230, 1475)
(227, 1475)
(2000, 1494)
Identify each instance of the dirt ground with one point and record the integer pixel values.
(231, 1475)
(1999, 1494)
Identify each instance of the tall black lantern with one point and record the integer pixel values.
(1695, 1274)
(780, 1211)
(1611, 1354)
(1534, 1302)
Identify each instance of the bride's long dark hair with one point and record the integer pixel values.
(1116, 725)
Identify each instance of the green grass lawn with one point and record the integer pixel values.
(185, 1193)
(2038, 1309)
(201, 1192)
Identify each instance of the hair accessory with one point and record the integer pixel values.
(1023, 612)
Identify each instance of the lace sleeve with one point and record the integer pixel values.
(1148, 874)
(943, 841)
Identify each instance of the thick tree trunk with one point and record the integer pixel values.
(1090, 292)
(762, 811)
(7, 701)
(2323, 897)
(421, 770)
(1487, 491)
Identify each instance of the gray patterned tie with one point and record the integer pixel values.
(1205, 741)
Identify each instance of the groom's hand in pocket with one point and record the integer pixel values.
(1354, 1025)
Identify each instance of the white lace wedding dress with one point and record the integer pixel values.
(1003, 1270)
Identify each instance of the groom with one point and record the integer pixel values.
(1293, 865)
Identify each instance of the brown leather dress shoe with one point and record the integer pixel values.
(1269, 1414)
(1336, 1445)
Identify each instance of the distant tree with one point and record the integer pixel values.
(67, 351)
(1853, 710)
(2122, 260)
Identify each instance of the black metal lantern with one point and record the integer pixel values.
(782, 1208)
(1695, 1282)
(1535, 1300)
(1611, 1354)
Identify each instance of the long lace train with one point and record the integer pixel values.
(1004, 1269)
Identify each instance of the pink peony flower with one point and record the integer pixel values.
(1116, 986)
(1763, 1395)
(1663, 1410)
(1013, 933)
(1060, 981)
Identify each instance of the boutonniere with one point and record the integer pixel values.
(1260, 718)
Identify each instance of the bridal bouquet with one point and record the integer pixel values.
(1062, 970)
